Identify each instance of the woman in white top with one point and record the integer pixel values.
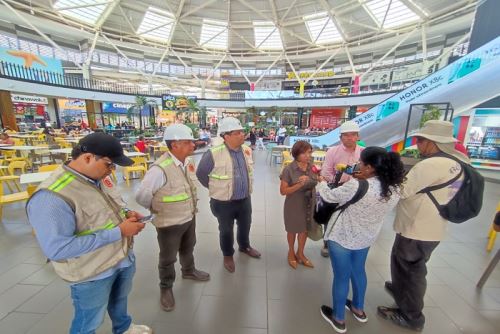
(350, 234)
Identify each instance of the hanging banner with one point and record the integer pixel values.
(459, 83)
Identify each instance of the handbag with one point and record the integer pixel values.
(325, 210)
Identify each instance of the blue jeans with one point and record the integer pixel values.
(347, 265)
(91, 299)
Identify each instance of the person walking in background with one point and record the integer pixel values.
(347, 153)
(297, 184)
(281, 135)
(168, 190)
(227, 171)
(260, 141)
(418, 224)
(252, 136)
(352, 232)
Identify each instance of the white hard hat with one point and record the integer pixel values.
(228, 124)
(178, 132)
(349, 126)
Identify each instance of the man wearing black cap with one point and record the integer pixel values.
(83, 227)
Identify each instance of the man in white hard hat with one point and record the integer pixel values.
(168, 190)
(226, 170)
(346, 153)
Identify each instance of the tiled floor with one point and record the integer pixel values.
(263, 296)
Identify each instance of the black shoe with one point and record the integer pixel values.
(396, 317)
(359, 317)
(389, 288)
(327, 314)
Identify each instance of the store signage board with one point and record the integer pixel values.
(441, 85)
(116, 107)
(26, 99)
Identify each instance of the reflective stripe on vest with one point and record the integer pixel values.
(175, 198)
(219, 177)
(62, 182)
(218, 148)
(109, 225)
(167, 162)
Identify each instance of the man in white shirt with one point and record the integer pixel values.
(281, 135)
(168, 190)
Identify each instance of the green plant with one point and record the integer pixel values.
(194, 127)
(431, 112)
(140, 102)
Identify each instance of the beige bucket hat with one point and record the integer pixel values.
(441, 132)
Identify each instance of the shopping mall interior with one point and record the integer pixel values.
(291, 69)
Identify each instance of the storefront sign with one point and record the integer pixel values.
(305, 75)
(69, 107)
(171, 102)
(116, 107)
(16, 98)
(325, 118)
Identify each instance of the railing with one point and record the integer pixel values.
(14, 71)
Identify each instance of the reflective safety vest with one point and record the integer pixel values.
(175, 202)
(95, 210)
(220, 184)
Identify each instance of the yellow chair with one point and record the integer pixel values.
(140, 165)
(48, 168)
(318, 157)
(492, 234)
(287, 158)
(10, 198)
(17, 165)
(19, 142)
(65, 144)
(10, 155)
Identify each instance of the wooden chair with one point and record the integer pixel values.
(10, 198)
(140, 165)
(10, 155)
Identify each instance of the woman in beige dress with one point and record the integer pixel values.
(297, 184)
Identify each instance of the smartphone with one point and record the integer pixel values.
(146, 219)
(351, 170)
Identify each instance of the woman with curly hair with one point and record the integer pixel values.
(351, 233)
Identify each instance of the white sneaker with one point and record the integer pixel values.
(138, 329)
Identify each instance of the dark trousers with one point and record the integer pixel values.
(226, 213)
(173, 239)
(408, 271)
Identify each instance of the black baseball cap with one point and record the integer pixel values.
(104, 145)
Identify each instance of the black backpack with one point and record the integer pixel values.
(468, 200)
(325, 210)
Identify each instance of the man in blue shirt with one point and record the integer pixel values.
(83, 227)
(227, 171)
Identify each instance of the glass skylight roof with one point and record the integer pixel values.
(87, 11)
(267, 36)
(397, 15)
(321, 29)
(214, 34)
(156, 24)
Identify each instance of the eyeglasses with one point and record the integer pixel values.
(109, 164)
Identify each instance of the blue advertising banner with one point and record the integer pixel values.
(122, 108)
(457, 83)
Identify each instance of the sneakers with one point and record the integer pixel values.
(138, 329)
(359, 317)
(395, 316)
(327, 314)
(324, 252)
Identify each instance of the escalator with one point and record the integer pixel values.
(465, 83)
